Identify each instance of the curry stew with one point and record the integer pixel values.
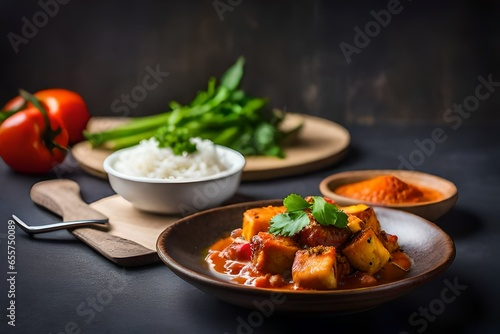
(318, 257)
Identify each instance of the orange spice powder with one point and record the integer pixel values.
(387, 189)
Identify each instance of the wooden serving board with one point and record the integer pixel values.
(126, 222)
(320, 143)
(130, 238)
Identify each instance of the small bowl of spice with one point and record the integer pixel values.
(425, 195)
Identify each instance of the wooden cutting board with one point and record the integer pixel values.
(129, 240)
(127, 222)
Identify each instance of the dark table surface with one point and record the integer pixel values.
(63, 286)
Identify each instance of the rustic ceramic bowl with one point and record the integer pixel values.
(182, 247)
(429, 210)
(178, 197)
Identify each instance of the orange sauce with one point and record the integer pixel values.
(388, 189)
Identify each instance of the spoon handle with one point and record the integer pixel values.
(57, 226)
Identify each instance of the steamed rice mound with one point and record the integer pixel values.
(148, 160)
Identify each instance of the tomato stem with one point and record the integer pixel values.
(6, 113)
(48, 135)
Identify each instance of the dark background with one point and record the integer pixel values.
(426, 59)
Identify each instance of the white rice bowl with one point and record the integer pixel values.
(156, 180)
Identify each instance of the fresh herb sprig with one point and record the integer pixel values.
(296, 217)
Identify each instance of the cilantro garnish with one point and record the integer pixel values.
(296, 218)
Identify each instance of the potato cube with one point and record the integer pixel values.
(365, 213)
(366, 252)
(315, 268)
(354, 223)
(272, 254)
(257, 220)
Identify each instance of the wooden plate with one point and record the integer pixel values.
(181, 247)
(320, 143)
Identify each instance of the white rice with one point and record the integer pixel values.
(149, 160)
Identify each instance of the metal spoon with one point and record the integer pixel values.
(58, 226)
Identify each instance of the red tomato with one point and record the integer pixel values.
(66, 106)
(329, 200)
(27, 146)
(244, 251)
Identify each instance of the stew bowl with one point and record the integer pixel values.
(183, 246)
